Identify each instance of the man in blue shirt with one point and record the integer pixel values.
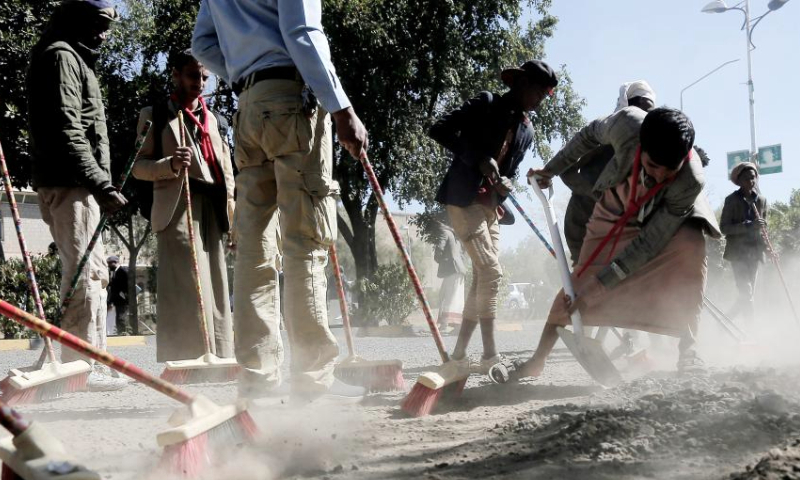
(276, 56)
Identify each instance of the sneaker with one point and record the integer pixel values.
(482, 367)
(690, 362)
(100, 382)
(455, 370)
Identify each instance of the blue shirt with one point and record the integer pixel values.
(234, 38)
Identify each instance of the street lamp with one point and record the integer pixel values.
(719, 6)
(704, 77)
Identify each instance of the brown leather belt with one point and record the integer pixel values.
(273, 73)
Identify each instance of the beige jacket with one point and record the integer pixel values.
(166, 182)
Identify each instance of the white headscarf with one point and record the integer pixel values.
(639, 88)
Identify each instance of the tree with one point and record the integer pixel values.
(784, 225)
(404, 62)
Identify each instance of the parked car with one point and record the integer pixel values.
(516, 296)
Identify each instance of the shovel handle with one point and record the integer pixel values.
(561, 256)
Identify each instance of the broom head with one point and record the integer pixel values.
(421, 400)
(47, 383)
(207, 369)
(35, 455)
(374, 375)
(199, 430)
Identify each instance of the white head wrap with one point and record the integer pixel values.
(639, 88)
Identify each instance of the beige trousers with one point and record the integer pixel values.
(477, 227)
(72, 215)
(285, 162)
(179, 335)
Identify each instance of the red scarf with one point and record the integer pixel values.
(206, 146)
(634, 206)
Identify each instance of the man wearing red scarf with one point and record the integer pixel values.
(207, 157)
(643, 263)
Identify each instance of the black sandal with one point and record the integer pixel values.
(505, 372)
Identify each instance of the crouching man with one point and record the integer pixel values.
(643, 263)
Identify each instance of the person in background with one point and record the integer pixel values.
(743, 216)
(118, 294)
(449, 254)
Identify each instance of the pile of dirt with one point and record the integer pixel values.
(777, 464)
(654, 418)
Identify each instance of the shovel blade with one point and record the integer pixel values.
(590, 354)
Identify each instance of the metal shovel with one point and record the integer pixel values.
(586, 350)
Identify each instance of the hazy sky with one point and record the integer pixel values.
(671, 44)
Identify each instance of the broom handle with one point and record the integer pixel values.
(776, 262)
(376, 188)
(12, 421)
(73, 285)
(348, 333)
(26, 257)
(187, 195)
(89, 350)
(527, 220)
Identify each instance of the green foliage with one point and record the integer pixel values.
(388, 296)
(784, 225)
(14, 290)
(405, 62)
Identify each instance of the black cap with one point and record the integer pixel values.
(104, 8)
(537, 71)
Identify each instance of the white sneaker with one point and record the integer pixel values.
(455, 370)
(485, 365)
(99, 382)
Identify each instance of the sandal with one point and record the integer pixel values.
(505, 372)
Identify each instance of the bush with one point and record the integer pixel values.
(388, 296)
(14, 290)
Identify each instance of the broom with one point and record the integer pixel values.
(376, 375)
(31, 453)
(633, 357)
(45, 381)
(429, 387)
(196, 430)
(209, 367)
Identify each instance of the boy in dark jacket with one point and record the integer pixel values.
(744, 246)
(488, 136)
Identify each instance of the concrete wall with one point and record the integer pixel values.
(37, 234)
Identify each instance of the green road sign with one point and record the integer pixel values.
(737, 157)
(770, 159)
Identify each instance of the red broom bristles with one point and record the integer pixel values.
(9, 474)
(375, 378)
(189, 459)
(421, 400)
(45, 392)
(201, 375)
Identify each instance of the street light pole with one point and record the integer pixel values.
(703, 78)
(750, 88)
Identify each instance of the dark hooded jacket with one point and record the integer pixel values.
(66, 116)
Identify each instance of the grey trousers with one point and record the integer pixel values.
(72, 215)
